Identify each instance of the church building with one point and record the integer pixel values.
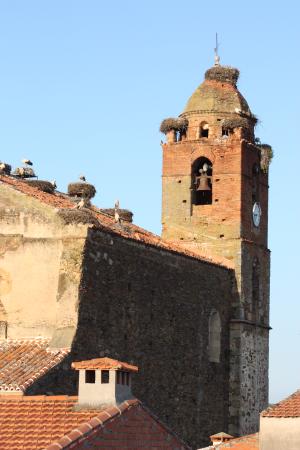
(189, 308)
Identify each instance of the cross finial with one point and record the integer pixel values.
(217, 57)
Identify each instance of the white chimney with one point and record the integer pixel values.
(103, 381)
(220, 438)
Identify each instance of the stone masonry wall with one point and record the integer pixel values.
(150, 307)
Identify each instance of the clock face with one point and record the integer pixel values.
(256, 214)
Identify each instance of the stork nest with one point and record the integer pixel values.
(24, 172)
(76, 216)
(44, 186)
(6, 169)
(235, 122)
(124, 214)
(224, 74)
(266, 156)
(175, 124)
(81, 190)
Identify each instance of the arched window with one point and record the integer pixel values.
(255, 289)
(255, 183)
(202, 182)
(214, 339)
(204, 130)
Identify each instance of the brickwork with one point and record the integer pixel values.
(225, 228)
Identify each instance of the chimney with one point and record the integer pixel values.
(103, 381)
(220, 438)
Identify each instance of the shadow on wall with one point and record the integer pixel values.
(141, 305)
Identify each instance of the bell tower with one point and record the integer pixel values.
(215, 201)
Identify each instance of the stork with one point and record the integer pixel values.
(27, 162)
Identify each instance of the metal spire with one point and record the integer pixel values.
(217, 57)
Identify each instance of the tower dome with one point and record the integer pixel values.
(218, 94)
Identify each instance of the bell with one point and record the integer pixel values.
(203, 184)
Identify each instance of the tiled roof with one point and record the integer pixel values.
(128, 230)
(24, 361)
(104, 364)
(249, 442)
(289, 407)
(34, 422)
(128, 426)
(39, 422)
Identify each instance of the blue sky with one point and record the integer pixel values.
(85, 84)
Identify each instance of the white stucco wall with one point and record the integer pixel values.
(279, 433)
(98, 394)
(95, 394)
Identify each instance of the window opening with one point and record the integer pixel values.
(204, 130)
(119, 380)
(214, 339)
(226, 131)
(202, 182)
(90, 376)
(104, 376)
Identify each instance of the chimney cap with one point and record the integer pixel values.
(222, 435)
(104, 364)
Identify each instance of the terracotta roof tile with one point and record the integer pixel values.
(289, 407)
(128, 230)
(51, 422)
(34, 422)
(104, 364)
(249, 442)
(137, 428)
(24, 361)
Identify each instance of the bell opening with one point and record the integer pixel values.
(202, 182)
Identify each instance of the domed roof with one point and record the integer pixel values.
(218, 93)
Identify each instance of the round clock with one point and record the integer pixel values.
(256, 214)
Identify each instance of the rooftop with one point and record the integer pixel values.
(34, 422)
(106, 222)
(218, 93)
(39, 422)
(22, 362)
(249, 442)
(104, 364)
(289, 407)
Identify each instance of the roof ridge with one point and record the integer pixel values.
(88, 427)
(128, 231)
(282, 403)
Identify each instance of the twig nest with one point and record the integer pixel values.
(266, 156)
(175, 124)
(44, 186)
(77, 216)
(224, 74)
(5, 169)
(124, 214)
(81, 190)
(24, 172)
(235, 122)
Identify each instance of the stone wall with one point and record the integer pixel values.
(151, 308)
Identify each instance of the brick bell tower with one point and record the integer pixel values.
(215, 201)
